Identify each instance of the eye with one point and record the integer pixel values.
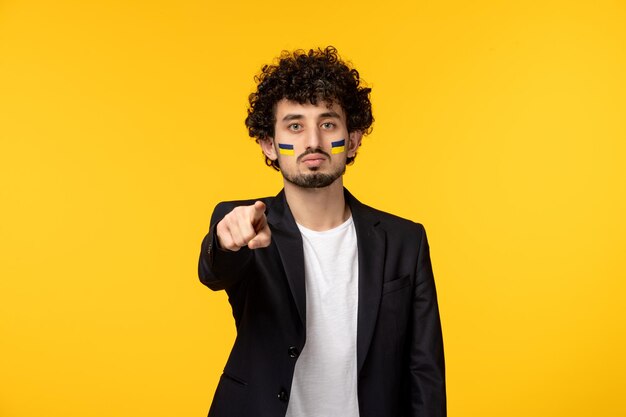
(328, 125)
(294, 127)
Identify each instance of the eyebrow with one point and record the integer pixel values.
(293, 116)
(330, 114)
(289, 117)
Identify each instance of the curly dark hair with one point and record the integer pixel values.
(319, 75)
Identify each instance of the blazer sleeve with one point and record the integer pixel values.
(426, 363)
(218, 268)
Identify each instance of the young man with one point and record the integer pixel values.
(334, 301)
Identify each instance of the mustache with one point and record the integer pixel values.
(310, 151)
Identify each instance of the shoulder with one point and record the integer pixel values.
(396, 224)
(405, 238)
(397, 228)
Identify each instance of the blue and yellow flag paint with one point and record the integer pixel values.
(338, 146)
(285, 149)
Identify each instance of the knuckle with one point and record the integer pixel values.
(228, 220)
(227, 243)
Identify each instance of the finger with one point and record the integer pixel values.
(235, 229)
(242, 230)
(224, 237)
(260, 224)
(258, 211)
(262, 240)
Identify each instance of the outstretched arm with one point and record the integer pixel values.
(227, 250)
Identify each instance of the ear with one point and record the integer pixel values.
(267, 145)
(354, 142)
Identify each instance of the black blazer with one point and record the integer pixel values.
(399, 344)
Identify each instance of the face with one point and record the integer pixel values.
(308, 143)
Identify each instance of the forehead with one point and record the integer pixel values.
(288, 109)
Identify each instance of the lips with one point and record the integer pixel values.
(313, 157)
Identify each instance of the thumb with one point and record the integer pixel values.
(262, 239)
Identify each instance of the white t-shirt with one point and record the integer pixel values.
(325, 378)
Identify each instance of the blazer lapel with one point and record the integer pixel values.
(371, 252)
(288, 240)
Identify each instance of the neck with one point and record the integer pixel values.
(318, 208)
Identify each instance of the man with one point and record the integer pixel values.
(334, 301)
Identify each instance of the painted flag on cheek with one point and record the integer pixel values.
(338, 146)
(285, 149)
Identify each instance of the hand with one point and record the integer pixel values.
(244, 226)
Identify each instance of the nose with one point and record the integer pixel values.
(313, 139)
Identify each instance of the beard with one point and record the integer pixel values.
(314, 179)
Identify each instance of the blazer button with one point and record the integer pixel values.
(293, 352)
(283, 396)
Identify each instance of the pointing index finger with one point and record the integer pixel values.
(259, 210)
(259, 207)
(258, 213)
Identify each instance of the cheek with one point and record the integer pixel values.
(284, 149)
(286, 160)
(286, 153)
(338, 146)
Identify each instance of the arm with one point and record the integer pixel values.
(227, 250)
(427, 370)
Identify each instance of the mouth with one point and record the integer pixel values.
(314, 157)
(314, 160)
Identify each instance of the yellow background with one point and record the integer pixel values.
(501, 126)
